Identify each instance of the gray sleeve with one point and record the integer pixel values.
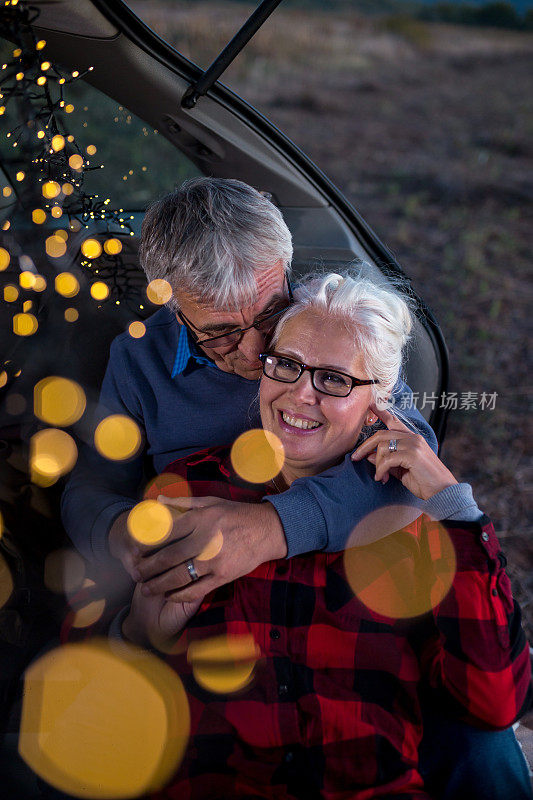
(455, 502)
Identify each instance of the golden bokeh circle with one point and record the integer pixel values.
(51, 189)
(87, 615)
(403, 574)
(91, 248)
(27, 279)
(11, 293)
(24, 324)
(58, 142)
(113, 246)
(66, 284)
(137, 329)
(212, 548)
(55, 246)
(99, 290)
(56, 212)
(3, 379)
(6, 582)
(224, 664)
(39, 284)
(67, 189)
(117, 437)
(64, 571)
(53, 453)
(149, 522)
(159, 291)
(58, 401)
(91, 149)
(38, 216)
(103, 722)
(75, 162)
(257, 456)
(5, 258)
(71, 314)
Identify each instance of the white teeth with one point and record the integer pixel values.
(299, 423)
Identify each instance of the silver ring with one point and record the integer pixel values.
(393, 445)
(192, 570)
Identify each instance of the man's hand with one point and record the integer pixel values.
(154, 621)
(224, 539)
(123, 546)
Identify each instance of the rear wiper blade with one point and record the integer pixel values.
(229, 53)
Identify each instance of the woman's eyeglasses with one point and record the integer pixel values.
(328, 381)
(265, 324)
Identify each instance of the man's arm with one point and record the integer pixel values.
(100, 490)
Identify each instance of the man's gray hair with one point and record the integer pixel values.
(210, 238)
(376, 314)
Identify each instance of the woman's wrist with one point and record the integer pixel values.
(132, 631)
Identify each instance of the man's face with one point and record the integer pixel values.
(242, 358)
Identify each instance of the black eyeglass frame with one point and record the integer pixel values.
(210, 342)
(306, 368)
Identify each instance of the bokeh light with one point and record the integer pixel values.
(113, 246)
(212, 548)
(5, 258)
(91, 248)
(20, 175)
(99, 290)
(224, 664)
(89, 614)
(38, 216)
(56, 212)
(137, 329)
(58, 401)
(67, 189)
(257, 455)
(76, 162)
(117, 437)
(167, 484)
(149, 522)
(15, 404)
(62, 234)
(11, 293)
(51, 189)
(3, 379)
(159, 291)
(404, 574)
(91, 149)
(24, 324)
(102, 723)
(6, 582)
(39, 284)
(27, 279)
(71, 314)
(64, 571)
(58, 142)
(55, 246)
(66, 284)
(53, 453)
(69, 108)
(27, 305)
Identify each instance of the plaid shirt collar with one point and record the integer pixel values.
(186, 351)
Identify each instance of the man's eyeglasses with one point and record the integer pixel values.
(265, 324)
(328, 381)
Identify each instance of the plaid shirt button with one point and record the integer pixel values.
(283, 689)
(275, 634)
(289, 757)
(485, 536)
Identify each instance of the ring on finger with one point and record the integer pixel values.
(393, 445)
(192, 571)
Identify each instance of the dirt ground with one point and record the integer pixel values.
(427, 129)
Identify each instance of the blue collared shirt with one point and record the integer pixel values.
(186, 350)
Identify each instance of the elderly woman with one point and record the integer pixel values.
(333, 707)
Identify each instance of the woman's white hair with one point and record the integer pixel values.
(378, 316)
(211, 238)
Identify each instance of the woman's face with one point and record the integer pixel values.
(318, 342)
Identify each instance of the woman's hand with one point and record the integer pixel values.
(155, 619)
(413, 462)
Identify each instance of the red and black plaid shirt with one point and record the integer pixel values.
(333, 708)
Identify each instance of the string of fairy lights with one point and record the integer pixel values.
(44, 166)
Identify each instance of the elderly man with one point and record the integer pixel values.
(190, 382)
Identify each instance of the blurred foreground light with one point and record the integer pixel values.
(39, 284)
(62, 234)
(76, 162)
(64, 571)
(404, 574)
(56, 212)
(3, 379)
(91, 149)
(38, 216)
(102, 723)
(40, 44)
(167, 484)
(5, 258)
(58, 142)
(117, 437)
(212, 548)
(27, 279)
(66, 284)
(112, 246)
(58, 401)
(99, 290)
(51, 189)
(6, 582)
(71, 314)
(159, 291)
(137, 329)
(41, 80)
(55, 246)
(20, 175)
(224, 664)
(27, 306)
(87, 615)
(67, 189)
(149, 522)
(53, 453)
(11, 293)
(91, 248)
(24, 324)
(257, 456)
(69, 108)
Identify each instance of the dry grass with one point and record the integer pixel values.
(428, 130)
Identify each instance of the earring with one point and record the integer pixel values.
(370, 419)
